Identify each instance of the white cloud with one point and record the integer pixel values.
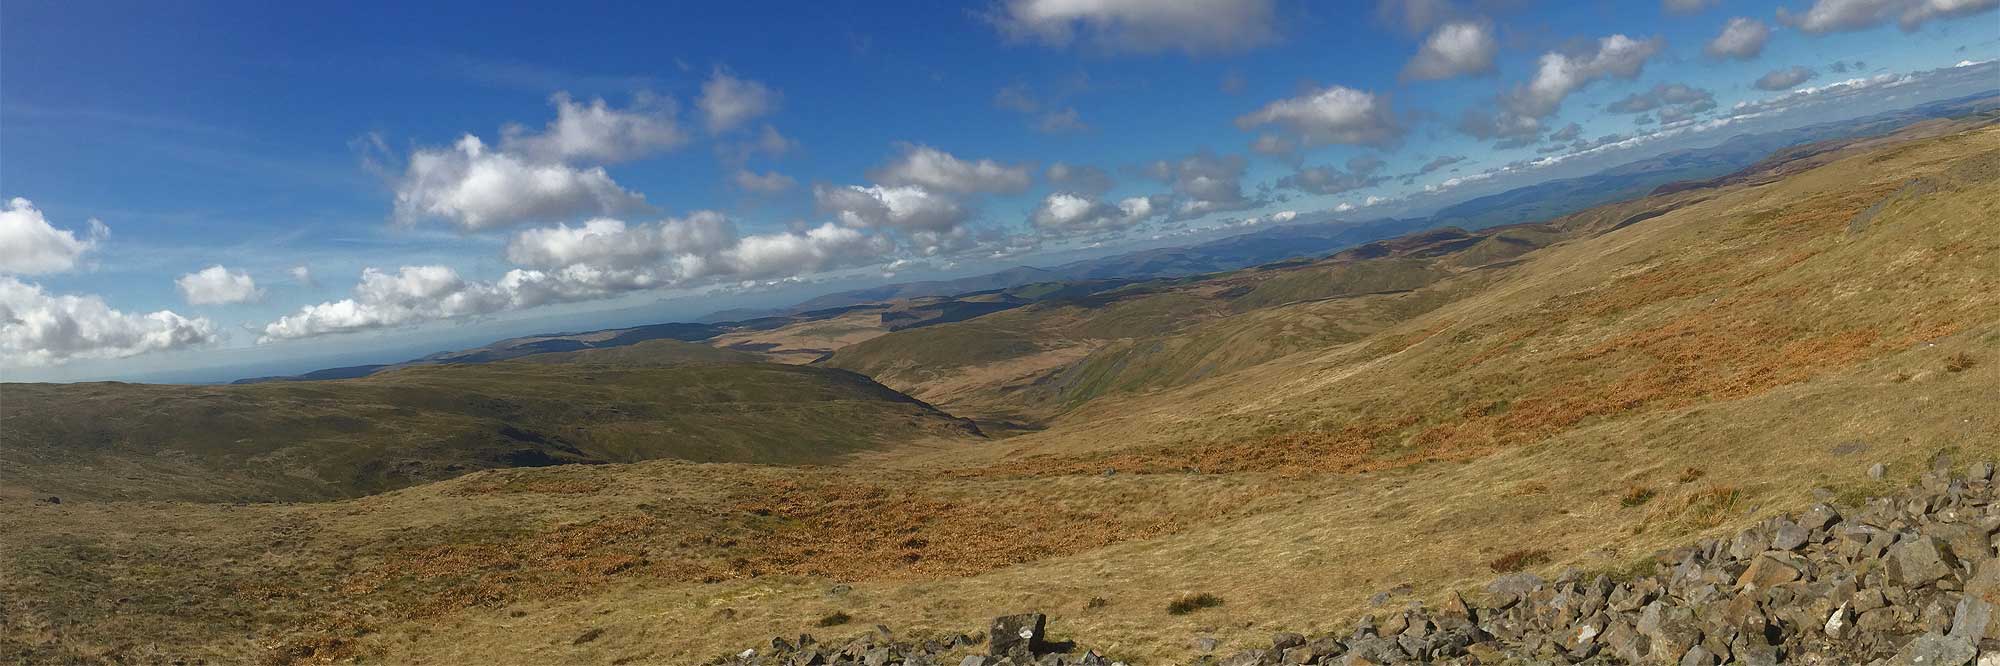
(1826, 16)
(1142, 26)
(37, 328)
(727, 102)
(1741, 38)
(1686, 6)
(1784, 79)
(1284, 216)
(30, 245)
(935, 169)
(769, 182)
(303, 275)
(598, 133)
(1204, 184)
(1557, 76)
(1336, 114)
(1063, 214)
(476, 188)
(907, 208)
(217, 285)
(1462, 48)
(598, 259)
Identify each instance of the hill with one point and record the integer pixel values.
(346, 438)
(1326, 440)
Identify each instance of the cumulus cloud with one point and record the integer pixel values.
(1513, 130)
(1332, 115)
(1065, 214)
(727, 102)
(928, 167)
(1203, 183)
(1569, 132)
(1686, 6)
(1463, 48)
(1141, 26)
(476, 188)
(1080, 179)
(38, 328)
(769, 182)
(598, 133)
(1557, 76)
(1741, 38)
(217, 285)
(1825, 16)
(1784, 79)
(1362, 172)
(29, 245)
(598, 259)
(906, 208)
(303, 275)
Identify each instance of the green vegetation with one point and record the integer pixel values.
(322, 440)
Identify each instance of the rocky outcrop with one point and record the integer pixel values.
(1908, 580)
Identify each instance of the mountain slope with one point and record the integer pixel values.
(322, 440)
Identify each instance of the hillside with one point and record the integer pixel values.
(1305, 444)
(345, 438)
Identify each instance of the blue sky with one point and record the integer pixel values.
(754, 153)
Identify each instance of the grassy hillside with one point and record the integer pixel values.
(321, 440)
(1037, 362)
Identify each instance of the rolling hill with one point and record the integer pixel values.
(345, 438)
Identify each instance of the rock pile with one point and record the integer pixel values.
(1910, 580)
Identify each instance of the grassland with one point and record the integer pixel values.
(322, 440)
(1731, 350)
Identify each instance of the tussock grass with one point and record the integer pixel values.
(1517, 560)
(1190, 603)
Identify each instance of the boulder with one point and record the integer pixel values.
(1023, 632)
(1918, 562)
(1935, 649)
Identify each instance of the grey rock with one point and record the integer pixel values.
(1699, 656)
(1024, 631)
(1935, 649)
(1919, 561)
(1789, 536)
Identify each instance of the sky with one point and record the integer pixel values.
(201, 191)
